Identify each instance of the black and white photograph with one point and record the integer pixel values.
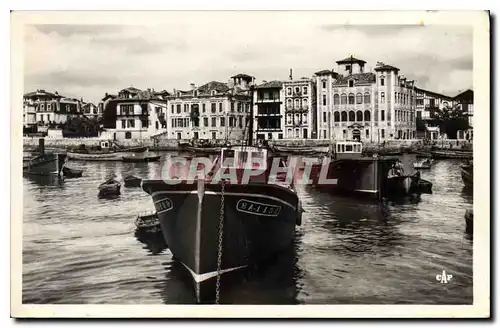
(254, 158)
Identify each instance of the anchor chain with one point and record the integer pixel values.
(219, 248)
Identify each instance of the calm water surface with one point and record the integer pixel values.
(79, 249)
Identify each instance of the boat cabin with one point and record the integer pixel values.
(347, 149)
(243, 157)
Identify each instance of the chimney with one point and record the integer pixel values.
(193, 86)
(291, 76)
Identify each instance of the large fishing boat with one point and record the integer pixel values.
(215, 226)
(44, 163)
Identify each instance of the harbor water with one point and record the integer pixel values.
(78, 249)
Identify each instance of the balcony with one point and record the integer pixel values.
(297, 109)
(267, 100)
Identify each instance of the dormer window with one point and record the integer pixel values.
(178, 94)
(196, 93)
(348, 68)
(213, 92)
(382, 81)
(351, 83)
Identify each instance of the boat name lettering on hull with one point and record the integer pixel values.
(257, 208)
(164, 205)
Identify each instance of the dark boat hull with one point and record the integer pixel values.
(259, 220)
(111, 189)
(138, 159)
(467, 176)
(360, 177)
(71, 173)
(47, 164)
(132, 181)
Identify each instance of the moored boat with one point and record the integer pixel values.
(148, 222)
(45, 164)
(145, 156)
(216, 226)
(458, 154)
(423, 164)
(132, 181)
(302, 150)
(72, 173)
(109, 188)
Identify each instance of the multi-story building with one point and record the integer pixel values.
(268, 110)
(91, 111)
(49, 108)
(139, 113)
(367, 106)
(215, 110)
(427, 102)
(465, 101)
(300, 101)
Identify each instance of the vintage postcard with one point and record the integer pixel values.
(293, 164)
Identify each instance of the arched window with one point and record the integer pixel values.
(367, 115)
(343, 99)
(367, 98)
(336, 116)
(351, 99)
(359, 116)
(343, 116)
(128, 135)
(336, 99)
(297, 103)
(289, 91)
(359, 98)
(289, 103)
(304, 103)
(352, 116)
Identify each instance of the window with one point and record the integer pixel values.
(419, 115)
(382, 115)
(336, 99)
(336, 116)
(351, 99)
(324, 84)
(420, 102)
(220, 107)
(343, 99)
(324, 117)
(382, 97)
(156, 125)
(382, 81)
(205, 121)
(351, 83)
(359, 116)
(324, 100)
(367, 115)
(280, 136)
(343, 116)
(214, 107)
(382, 133)
(128, 135)
(173, 109)
(222, 121)
(213, 92)
(214, 123)
(289, 91)
(232, 106)
(203, 108)
(352, 116)
(359, 98)
(42, 106)
(324, 134)
(131, 123)
(304, 90)
(240, 122)
(186, 106)
(173, 123)
(344, 134)
(48, 107)
(178, 108)
(367, 98)
(297, 90)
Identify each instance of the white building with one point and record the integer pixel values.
(139, 114)
(300, 104)
(268, 111)
(45, 108)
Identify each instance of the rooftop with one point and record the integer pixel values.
(358, 78)
(270, 85)
(325, 72)
(245, 76)
(383, 67)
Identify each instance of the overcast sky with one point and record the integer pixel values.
(89, 60)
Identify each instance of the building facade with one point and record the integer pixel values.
(465, 101)
(215, 110)
(139, 114)
(366, 106)
(427, 102)
(300, 101)
(44, 108)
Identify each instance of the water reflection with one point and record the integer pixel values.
(45, 180)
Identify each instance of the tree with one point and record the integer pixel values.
(450, 120)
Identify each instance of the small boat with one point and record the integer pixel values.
(71, 173)
(459, 154)
(45, 164)
(467, 172)
(402, 185)
(148, 222)
(109, 188)
(302, 150)
(109, 156)
(469, 221)
(423, 164)
(132, 181)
